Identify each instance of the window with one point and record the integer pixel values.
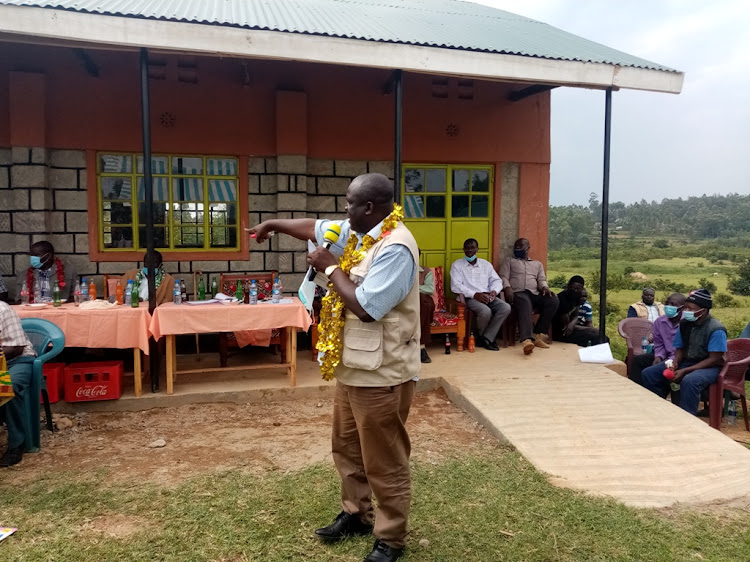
(195, 202)
(449, 191)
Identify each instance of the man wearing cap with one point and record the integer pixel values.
(700, 344)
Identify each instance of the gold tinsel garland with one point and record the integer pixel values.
(332, 311)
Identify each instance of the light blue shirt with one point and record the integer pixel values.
(390, 277)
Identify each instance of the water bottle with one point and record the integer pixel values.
(447, 344)
(183, 291)
(46, 296)
(24, 293)
(732, 412)
(177, 293)
(128, 292)
(253, 292)
(276, 292)
(56, 302)
(84, 290)
(37, 291)
(644, 344)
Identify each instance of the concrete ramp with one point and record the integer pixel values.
(590, 429)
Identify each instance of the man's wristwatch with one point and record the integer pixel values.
(330, 269)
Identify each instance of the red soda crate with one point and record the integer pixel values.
(98, 380)
(54, 373)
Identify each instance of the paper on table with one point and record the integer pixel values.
(223, 297)
(209, 301)
(596, 354)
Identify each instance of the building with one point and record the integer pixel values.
(259, 113)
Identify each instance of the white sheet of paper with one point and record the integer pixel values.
(209, 301)
(601, 353)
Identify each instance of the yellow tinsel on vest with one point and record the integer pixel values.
(332, 312)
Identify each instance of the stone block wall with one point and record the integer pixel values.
(43, 196)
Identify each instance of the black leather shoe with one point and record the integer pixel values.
(491, 345)
(381, 552)
(344, 525)
(11, 457)
(424, 358)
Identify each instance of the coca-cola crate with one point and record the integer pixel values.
(99, 380)
(54, 373)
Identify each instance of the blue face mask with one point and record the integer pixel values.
(690, 316)
(520, 254)
(671, 311)
(36, 262)
(471, 259)
(145, 271)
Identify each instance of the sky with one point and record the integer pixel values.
(663, 145)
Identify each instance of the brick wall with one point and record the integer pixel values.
(43, 196)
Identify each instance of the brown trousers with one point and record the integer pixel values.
(426, 314)
(371, 450)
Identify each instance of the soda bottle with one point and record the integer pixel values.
(24, 294)
(84, 290)
(276, 292)
(471, 342)
(77, 293)
(253, 292)
(177, 293)
(447, 345)
(92, 290)
(134, 295)
(201, 289)
(214, 288)
(183, 291)
(732, 412)
(238, 293)
(119, 292)
(129, 293)
(56, 295)
(37, 290)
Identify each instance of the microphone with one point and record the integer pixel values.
(331, 236)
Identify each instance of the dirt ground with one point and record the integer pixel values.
(261, 438)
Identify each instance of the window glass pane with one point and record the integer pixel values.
(436, 181)
(436, 207)
(160, 189)
(460, 205)
(119, 237)
(115, 163)
(187, 165)
(460, 180)
(188, 213)
(160, 236)
(480, 206)
(188, 237)
(480, 180)
(225, 237)
(119, 213)
(159, 164)
(414, 207)
(160, 214)
(117, 188)
(221, 166)
(187, 189)
(222, 190)
(223, 213)
(414, 180)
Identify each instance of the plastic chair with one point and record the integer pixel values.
(48, 341)
(731, 378)
(634, 330)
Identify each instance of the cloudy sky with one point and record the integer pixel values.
(663, 145)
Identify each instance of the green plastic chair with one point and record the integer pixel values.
(48, 341)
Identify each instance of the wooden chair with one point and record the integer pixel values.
(731, 378)
(109, 285)
(450, 314)
(634, 330)
(228, 285)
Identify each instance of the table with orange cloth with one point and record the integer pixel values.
(119, 327)
(170, 320)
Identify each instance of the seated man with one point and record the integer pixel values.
(3, 291)
(44, 265)
(664, 330)
(164, 281)
(567, 326)
(526, 290)
(700, 344)
(477, 281)
(19, 354)
(646, 308)
(426, 308)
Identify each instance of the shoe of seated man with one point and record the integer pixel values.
(381, 552)
(343, 526)
(424, 358)
(528, 347)
(11, 456)
(540, 341)
(490, 345)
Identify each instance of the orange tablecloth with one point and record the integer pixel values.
(121, 327)
(171, 319)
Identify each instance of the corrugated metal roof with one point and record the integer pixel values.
(435, 23)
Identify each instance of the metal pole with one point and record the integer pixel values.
(398, 92)
(605, 216)
(149, 202)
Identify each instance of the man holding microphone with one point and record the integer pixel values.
(374, 356)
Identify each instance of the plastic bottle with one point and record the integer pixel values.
(24, 294)
(119, 293)
(92, 290)
(84, 290)
(177, 293)
(732, 412)
(129, 293)
(447, 344)
(276, 292)
(644, 344)
(56, 295)
(246, 294)
(239, 293)
(201, 289)
(471, 343)
(37, 291)
(134, 295)
(46, 290)
(214, 288)
(183, 291)
(253, 292)
(77, 293)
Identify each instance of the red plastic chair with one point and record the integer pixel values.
(634, 330)
(732, 378)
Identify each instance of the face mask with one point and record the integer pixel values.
(520, 254)
(145, 271)
(671, 311)
(36, 262)
(690, 316)
(471, 259)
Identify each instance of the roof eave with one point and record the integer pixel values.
(239, 42)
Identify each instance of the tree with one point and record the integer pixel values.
(739, 284)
